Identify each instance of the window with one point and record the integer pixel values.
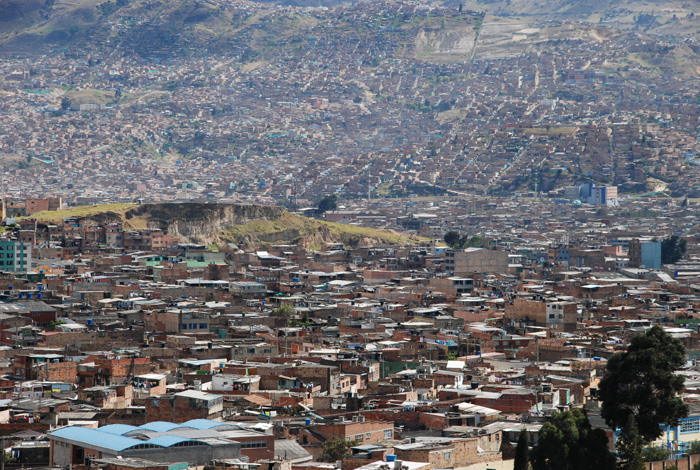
(202, 326)
(448, 455)
(388, 434)
(368, 435)
(183, 326)
(359, 437)
(690, 425)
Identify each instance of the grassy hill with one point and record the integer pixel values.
(311, 232)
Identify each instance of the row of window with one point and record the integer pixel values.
(690, 425)
(253, 445)
(193, 326)
(388, 434)
(252, 351)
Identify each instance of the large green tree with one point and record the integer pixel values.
(328, 203)
(672, 249)
(629, 447)
(641, 383)
(522, 452)
(452, 238)
(568, 442)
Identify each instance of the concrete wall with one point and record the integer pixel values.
(195, 455)
(60, 454)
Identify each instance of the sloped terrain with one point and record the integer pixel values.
(251, 225)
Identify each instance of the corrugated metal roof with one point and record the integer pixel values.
(96, 438)
(119, 429)
(203, 424)
(289, 449)
(158, 426)
(168, 441)
(113, 436)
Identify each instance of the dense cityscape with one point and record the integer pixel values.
(387, 235)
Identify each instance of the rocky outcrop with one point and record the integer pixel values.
(202, 223)
(250, 225)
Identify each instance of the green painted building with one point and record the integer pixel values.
(15, 256)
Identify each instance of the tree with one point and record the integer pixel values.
(641, 383)
(629, 447)
(672, 249)
(65, 103)
(654, 454)
(335, 449)
(285, 311)
(328, 203)
(477, 241)
(452, 238)
(522, 452)
(568, 442)
(694, 448)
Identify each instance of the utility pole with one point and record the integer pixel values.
(369, 186)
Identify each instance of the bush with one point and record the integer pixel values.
(654, 454)
(693, 448)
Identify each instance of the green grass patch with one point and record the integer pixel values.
(294, 228)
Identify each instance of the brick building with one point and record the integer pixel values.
(184, 406)
(540, 312)
(367, 432)
(446, 452)
(53, 367)
(475, 260)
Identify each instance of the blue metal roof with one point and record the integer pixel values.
(168, 441)
(159, 426)
(202, 424)
(119, 429)
(112, 436)
(96, 438)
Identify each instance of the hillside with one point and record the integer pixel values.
(147, 25)
(250, 225)
(658, 17)
(201, 99)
